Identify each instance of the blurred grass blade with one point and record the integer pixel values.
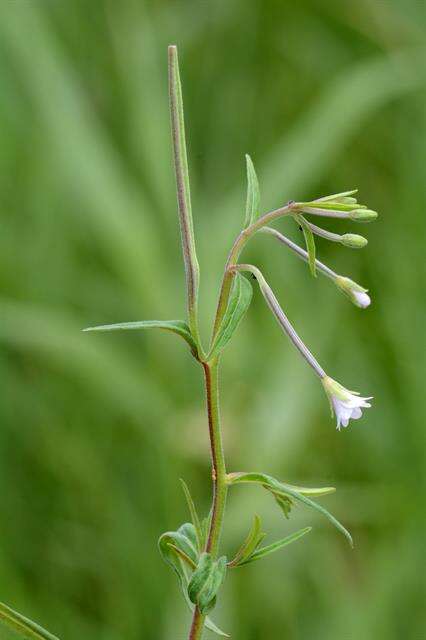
(194, 515)
(175, 326)
(310, 244)
(23, 626)
(239, 302)
(250, 544)
(275, 546)
(253, 194)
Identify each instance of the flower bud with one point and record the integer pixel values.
(353, 241)
(356, 294)
(363, 215)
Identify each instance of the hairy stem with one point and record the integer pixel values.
(220, 487)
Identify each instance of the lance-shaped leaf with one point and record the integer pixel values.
(275, 546)
(239, 301)
(178, 550)
(310, 244)
(253, 194)
(22, 626)
(194, 516)
(175, 326)
(206, 582)
(286, 503)
(250, 544)
(281, 488)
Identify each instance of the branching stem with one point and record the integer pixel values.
(234, 254)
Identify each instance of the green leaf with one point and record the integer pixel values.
(312, 491)
(194, 516)
(206, 582)
(310, 243)
(239, 301)
(280, 488)
(183, 555)
(166, 544)
(284, 502)
(23, 626)
(207, 599)
(200, 576)
(175, 326)
(250, 544)
(253, 194)
(174, 546)
(275, 546)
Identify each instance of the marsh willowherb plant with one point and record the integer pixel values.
(193, 550)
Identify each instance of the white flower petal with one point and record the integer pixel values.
(363, 300)
(346, 404)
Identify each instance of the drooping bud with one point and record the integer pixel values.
(353, 241)
(356, 294)
(363, 215)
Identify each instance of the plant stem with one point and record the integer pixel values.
(197, 625)
(220, 487)
(234, 254)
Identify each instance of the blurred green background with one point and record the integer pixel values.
(97, 429)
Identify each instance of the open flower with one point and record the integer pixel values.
(344, 404)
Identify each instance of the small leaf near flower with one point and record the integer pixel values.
(310, 243)
(239, 302)
(253, 194)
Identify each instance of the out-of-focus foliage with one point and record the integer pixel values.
(96, 429)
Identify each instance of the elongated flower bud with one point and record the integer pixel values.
(353, 241)
(356, 294)
(363, 215)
